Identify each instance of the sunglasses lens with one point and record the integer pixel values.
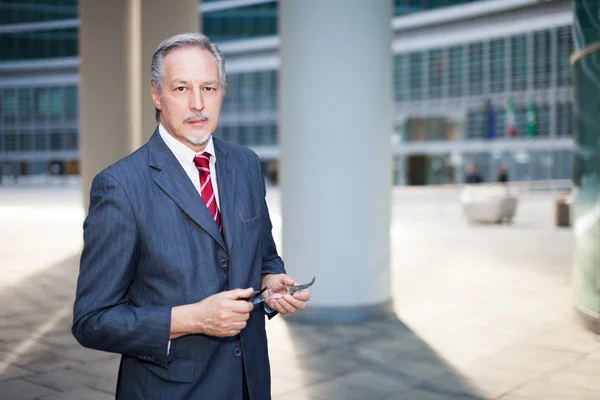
(278, 292)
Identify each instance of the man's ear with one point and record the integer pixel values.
(155, 97)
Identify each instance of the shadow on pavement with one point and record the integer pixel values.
(39, 358)
(383, 359)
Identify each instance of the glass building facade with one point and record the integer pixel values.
(239, 23)
(446, 90)
(586, 208)
(24, 11)
(474, 87)
(38, 88)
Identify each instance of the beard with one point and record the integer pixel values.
(198, 140)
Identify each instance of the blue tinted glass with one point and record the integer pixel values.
(241, 23)
(24, 11)
(406, 7)
(38, 44)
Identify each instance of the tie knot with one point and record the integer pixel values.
(202, 160)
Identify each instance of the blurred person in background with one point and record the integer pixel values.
(473, 175)
(177, 238)
(502, 176)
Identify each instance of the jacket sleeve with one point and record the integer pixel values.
(103, 317)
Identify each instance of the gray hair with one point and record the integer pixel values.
(157, 68)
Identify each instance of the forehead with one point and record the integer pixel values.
(191, 60)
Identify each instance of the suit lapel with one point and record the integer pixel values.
(226, 184)
(173, 180)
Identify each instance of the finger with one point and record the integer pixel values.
(286, 305)
(241, 306)
(303, 295)
(238, 325)
(233, 329)
(296, 303)
(239, 293)
(239, 317)
(274, 305)
(286, 280)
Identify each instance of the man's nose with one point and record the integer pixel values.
(196, 100)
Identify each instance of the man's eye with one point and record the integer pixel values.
(209, 89)
(180, 89)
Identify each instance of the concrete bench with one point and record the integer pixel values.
(493, 203)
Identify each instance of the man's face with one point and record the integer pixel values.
(191, 96)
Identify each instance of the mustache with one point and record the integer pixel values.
(199, 115)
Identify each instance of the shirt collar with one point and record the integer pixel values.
(183, 153)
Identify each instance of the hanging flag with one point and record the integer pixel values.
(491, 120)
(531, 123)
(511, 127)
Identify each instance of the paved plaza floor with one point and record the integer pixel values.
(481, 311)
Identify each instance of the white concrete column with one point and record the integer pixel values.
(116, 41)
(336, 110)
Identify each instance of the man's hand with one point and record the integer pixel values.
(223, 314)
(290, 302)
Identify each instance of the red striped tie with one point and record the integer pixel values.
(202, 162)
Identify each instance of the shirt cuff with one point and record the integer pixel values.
(268, 310)
(169, 348)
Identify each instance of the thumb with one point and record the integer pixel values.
(239, 293)
(287, 280)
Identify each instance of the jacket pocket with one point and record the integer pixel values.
(178, 370)
(252, 222)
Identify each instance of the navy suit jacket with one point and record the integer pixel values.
(150, 244)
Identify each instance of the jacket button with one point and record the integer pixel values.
(237, 352)
(223, 263)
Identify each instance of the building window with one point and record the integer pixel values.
(26, 45)
(500, 122)
(71, 141)
(25, 142)
(18, 12)
(273, 136)
(42, 103)
(10, 105)
(272, 89)
(71, 103)
(455, 71)
(251, 92)
(541, 59)
(564, 48)
(10, 142)
(497, 63)
(241, 22)
(476, 124)
(399, 86)
(475, 68)
(521, 120)
(406, 7)
(436, 72)
(564, 115)
(415, 76)
(24, 104)
(518, 66)
(56, 141)
(542, 114)
(41, 142)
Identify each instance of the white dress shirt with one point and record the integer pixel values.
(185, 156)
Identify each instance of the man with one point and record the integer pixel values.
(473, 175)
(177, 238)
(502, 175)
